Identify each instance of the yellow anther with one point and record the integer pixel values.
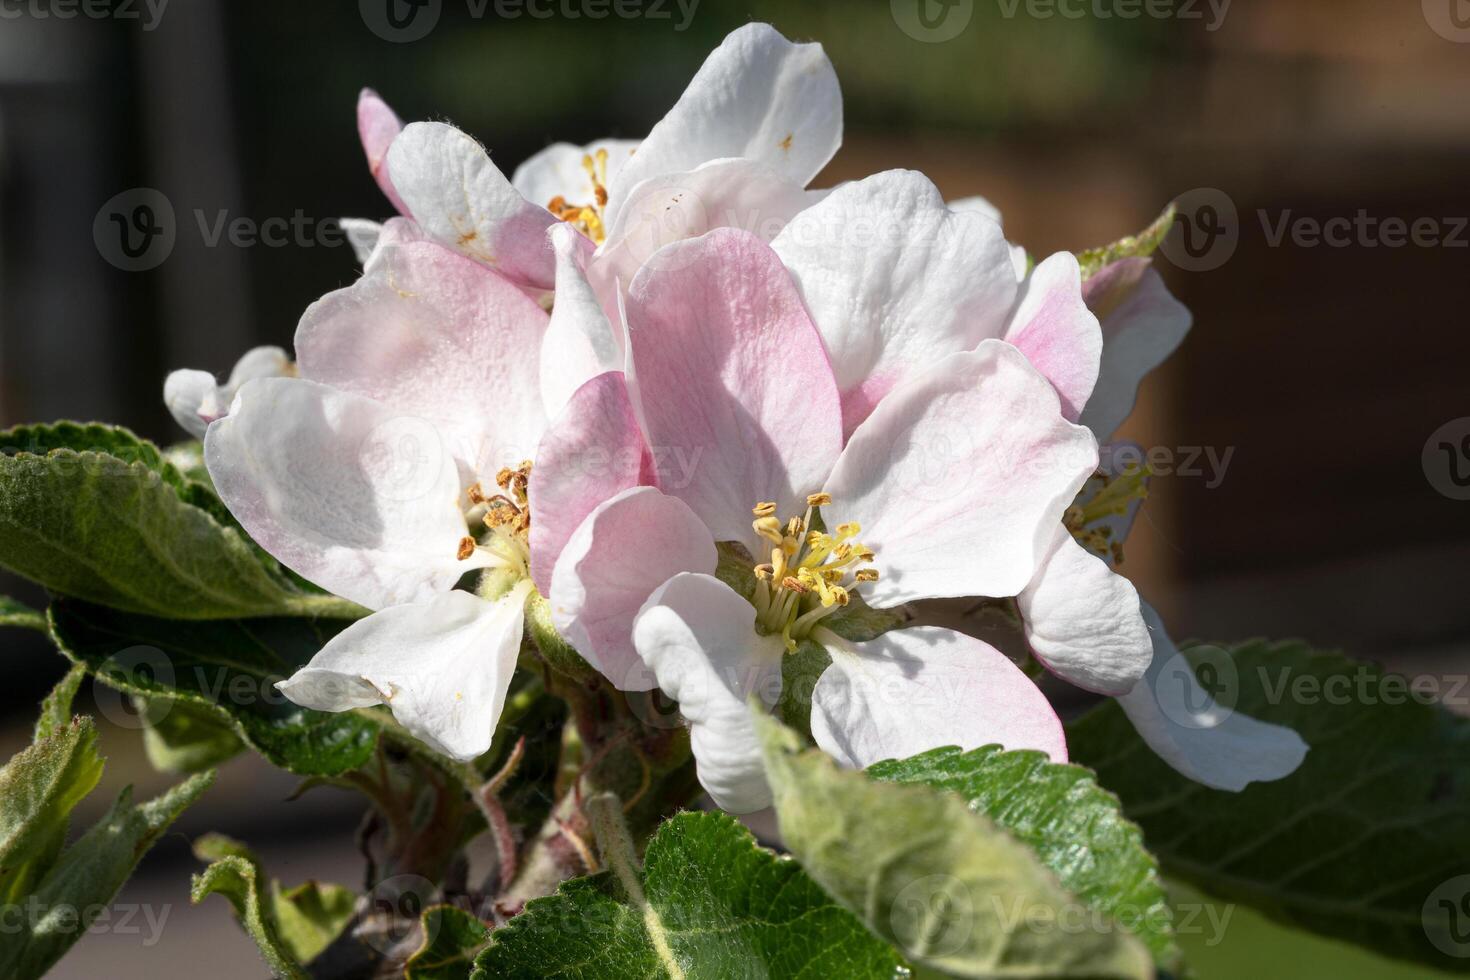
(768, 528)
(795, 528)
(764, 572)
(789, 582)
(466, 548)
(866, 575)
(476, 494)
(765, 508)
(503, 478)
(818, 499)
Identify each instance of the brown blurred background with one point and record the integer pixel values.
(1320, 369)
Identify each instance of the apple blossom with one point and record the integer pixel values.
(394, 465)
(757, 122)
(947, 488)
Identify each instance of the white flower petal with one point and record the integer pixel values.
(580, 341)
(1142, 324)
(699, 638)
(916, 689)
(443, 666)
(362, 234)
(459, 197)
(1083, 620)
(757, 96)
(979, 205)
(193, 399)
(1230, 755)
(360, 499)
(626, 548)
(671, 207)
(558, 171)
(895, 281)
(959, 478)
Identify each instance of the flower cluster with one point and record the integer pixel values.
(723, 425)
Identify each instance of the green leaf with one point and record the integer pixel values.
(39, 788)
(238, 878)
(1074, 825)
(80, 883)
(227, 668)
(115, 524)
(56, 706)
(180, 737)
(18, 615)
(946, 885)
(311, 915)
(1352, 845)
(292, 925)
(1140, 245)
(452, 937)
(715, 904)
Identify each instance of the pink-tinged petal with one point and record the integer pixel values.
(698, 636)
(959, 478)
(580, 340)
(463, 201)
(559, 171)
(434, 335)
(1054, 329)
(672, 207)
(912, 690)
(737, 394)
(378, 126)
(1083, 620)
(443, 666)
(1141, 326)
(895, 281)
(625, 549)
(354, 495)
(593, 452)
(1198, 737)
(757, 96)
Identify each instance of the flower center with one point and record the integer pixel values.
(587, 217)
(1110, 497)
(507, 520)
(811, 574)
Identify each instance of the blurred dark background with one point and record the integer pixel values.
(1320, 369)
